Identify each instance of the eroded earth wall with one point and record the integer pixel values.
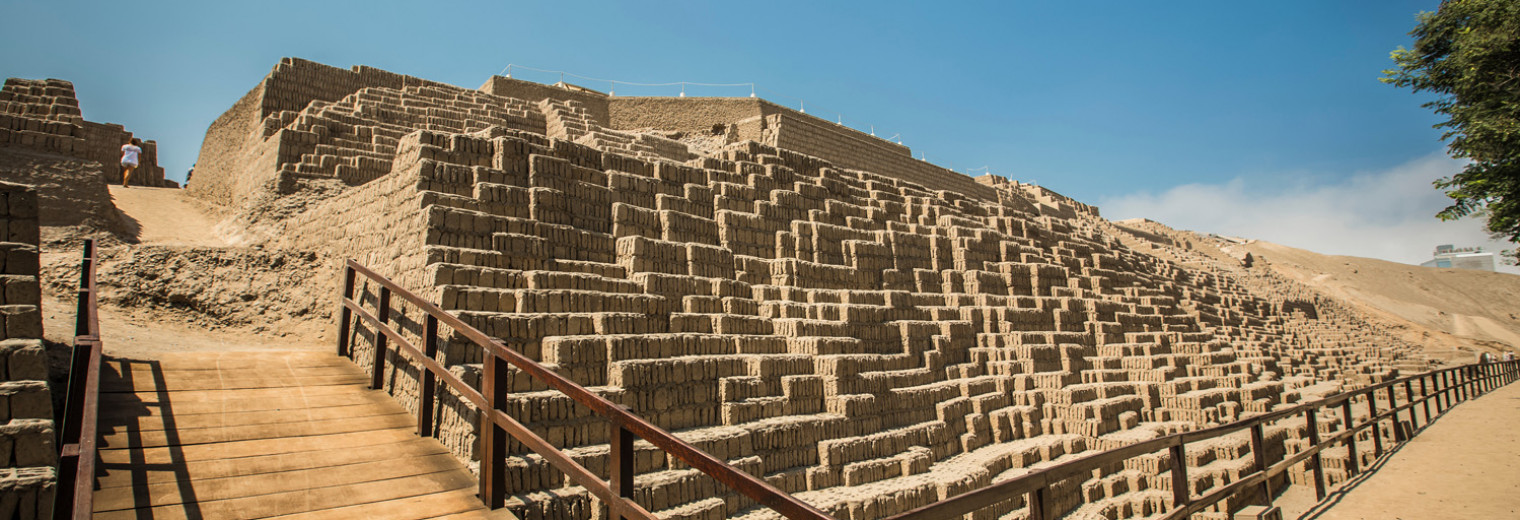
(871, 341)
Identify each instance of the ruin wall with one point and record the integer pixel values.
(70, 191)
(850, 148)
(595, 103)
(29, 476)
(866, 342)
(759, 120)
(686, 115)
(44, 116)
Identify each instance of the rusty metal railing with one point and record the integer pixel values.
(74, 496)
(496, 425)
(1446, 387)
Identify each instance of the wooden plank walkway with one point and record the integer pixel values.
(287, 434)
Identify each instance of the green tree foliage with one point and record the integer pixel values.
(1468, 54)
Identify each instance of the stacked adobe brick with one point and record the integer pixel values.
(27, 455)
(44, 116)
(853, 337)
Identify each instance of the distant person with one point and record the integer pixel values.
(188, 174)
(130, 153)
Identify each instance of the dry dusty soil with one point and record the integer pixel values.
(181, 288)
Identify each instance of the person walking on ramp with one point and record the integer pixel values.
(129, 154)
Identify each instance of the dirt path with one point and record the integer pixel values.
(1463, 467)
(165, 216)
(130, 335)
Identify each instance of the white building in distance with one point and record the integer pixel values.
(1472, 258)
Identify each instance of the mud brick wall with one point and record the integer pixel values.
(688, 115)
(26, 418)
(228, 148)
(236, 158)
(309, 120)
(595, 103)
(70, 191)
(781, 127)
(870, 336)
(42, 135)
(849, 148)
(102, 144)
(46, 99)
(43, 116)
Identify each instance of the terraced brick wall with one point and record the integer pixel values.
(29, 475)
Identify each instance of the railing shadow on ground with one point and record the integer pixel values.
(128, 416)
(1446, 387)
(81, 428)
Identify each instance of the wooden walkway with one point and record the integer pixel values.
(286, 434)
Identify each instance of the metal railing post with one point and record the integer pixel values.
(1319, 463)
(1425, 400)
(345, 315)
(1446, 392)
(620, 474)
(1037, 503)
(1465, 376)
(1377, 436)
(1414, 422)
(1393, 404)
(493, 439)
(1180, 486)
(377, 378)
(1259, 452)
(429, 380)
(1348, 422)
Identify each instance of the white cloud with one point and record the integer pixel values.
(1387, 214)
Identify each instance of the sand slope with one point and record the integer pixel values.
(1480, 307)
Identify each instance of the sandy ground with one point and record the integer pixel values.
(1478, 307)
(129, 335)
(165, 216)
(1465, 466)
(161, 216)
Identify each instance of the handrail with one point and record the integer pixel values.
(74, 495)
(1460, 384)
(495, 424)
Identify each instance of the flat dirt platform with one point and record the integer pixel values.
(1465, 466)
(294, 434)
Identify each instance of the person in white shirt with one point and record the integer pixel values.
(129, 160)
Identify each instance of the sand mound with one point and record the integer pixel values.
(1473, 307)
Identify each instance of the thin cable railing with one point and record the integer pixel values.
(496, 426)
(74, 496)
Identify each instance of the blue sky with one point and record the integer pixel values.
(1110, 102)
